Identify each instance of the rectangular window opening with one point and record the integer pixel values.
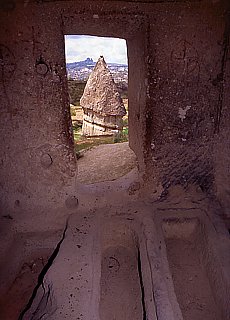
(97, 73)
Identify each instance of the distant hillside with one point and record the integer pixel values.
(80, 71)
(76, 90)
(81, 64)
(90, 63)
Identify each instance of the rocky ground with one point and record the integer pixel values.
(120, 254)
(105, 162)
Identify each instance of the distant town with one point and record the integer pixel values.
(81, 70)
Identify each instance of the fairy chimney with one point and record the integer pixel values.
(102, 103)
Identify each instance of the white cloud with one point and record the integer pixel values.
(78, 48)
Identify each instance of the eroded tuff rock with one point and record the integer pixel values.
(102, 103)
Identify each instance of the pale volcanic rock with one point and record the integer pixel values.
(102, 103)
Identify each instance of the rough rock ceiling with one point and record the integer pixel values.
(9, 3)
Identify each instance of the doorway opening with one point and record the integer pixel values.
(82, 54)
(97, 73)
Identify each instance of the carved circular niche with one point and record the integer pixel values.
(46, 160)
(41, 67)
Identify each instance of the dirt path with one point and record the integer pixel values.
(106, 162)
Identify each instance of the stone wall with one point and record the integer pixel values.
(185, 90)
(37, 158)
(178, 95)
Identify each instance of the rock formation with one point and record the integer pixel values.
(102, 103)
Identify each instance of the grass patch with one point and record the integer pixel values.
(123, 136)
(72, 111)
(82, 143)
(86, 143)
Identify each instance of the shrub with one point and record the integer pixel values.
(125, 122)
(122, 136)
(72, 111)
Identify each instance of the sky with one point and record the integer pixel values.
(79, 48)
